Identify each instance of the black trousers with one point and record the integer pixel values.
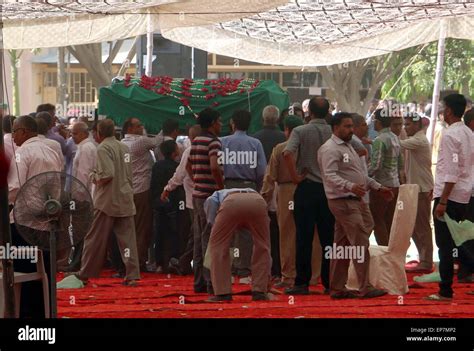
(187, 254)
(311, 208)
(446, 246)
(166, 237)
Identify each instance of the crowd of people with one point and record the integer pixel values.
(261, 209)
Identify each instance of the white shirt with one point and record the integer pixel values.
(9, 145)
(85, 162)
(32, 158)
(363, 158)
(418, 161)
(454, 165)
(142, 162)
(181, 177)
(56, 146)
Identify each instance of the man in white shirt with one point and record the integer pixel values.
(418, 171)
(53, 144)
(8, 143)
(469, 121)
(86, 155)
(453, 187)
(32, 157)
(83, 165)
(142, 163)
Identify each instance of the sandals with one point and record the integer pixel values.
(436, 297)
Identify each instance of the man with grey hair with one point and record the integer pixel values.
(83, 165)
(270, 136)
(114, 208)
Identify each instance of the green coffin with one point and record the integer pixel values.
(128, 99)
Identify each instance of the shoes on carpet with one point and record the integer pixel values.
(437, 297)
(118, 275)
(374, 293)
(282, 285)
(200, 290)
(470, 293)
(130, 283)
(418, 268)
(260, 296)
(220, 298)
(297, 290)
(345, 294)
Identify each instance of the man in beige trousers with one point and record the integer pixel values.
(277, 172)
(114, 208)
(418, 171)
(228, 210)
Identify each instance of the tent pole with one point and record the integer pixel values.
(149, 46)
(5, 234)
(192, 63)
(437, 82)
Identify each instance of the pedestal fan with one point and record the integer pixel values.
(53, 211)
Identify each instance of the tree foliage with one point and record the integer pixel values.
(418, 81)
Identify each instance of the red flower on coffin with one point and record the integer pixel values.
(215, 104)
(187, 94)
(185, 101)
(205, 90)
(210, 96)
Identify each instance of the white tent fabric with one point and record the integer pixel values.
(55, 23)
(317, 33)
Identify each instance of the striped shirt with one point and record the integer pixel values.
(202, 148)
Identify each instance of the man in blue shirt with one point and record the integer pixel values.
(244, 164)
(228, 210)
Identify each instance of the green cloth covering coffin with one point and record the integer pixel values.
(155, 99)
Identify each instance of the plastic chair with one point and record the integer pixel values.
(387, 263)
(20, 278)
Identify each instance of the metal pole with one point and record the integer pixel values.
(438, 80)
(5, 235)
(192, 63)
(149, 47)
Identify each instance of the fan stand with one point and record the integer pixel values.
(53, 209)
(52, 267)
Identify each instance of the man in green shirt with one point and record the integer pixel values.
(114, 208)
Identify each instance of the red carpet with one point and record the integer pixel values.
(162, 296)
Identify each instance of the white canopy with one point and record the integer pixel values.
(55, 23)
(318, 33)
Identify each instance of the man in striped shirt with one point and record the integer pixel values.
(207, 175)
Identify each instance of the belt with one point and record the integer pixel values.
(243, 191)
(241, 180)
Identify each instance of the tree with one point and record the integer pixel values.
(15, 56)
(346, 79)
(418, 82)
(90, 57)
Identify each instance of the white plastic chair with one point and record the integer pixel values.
(20, 278)
(387, 263)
